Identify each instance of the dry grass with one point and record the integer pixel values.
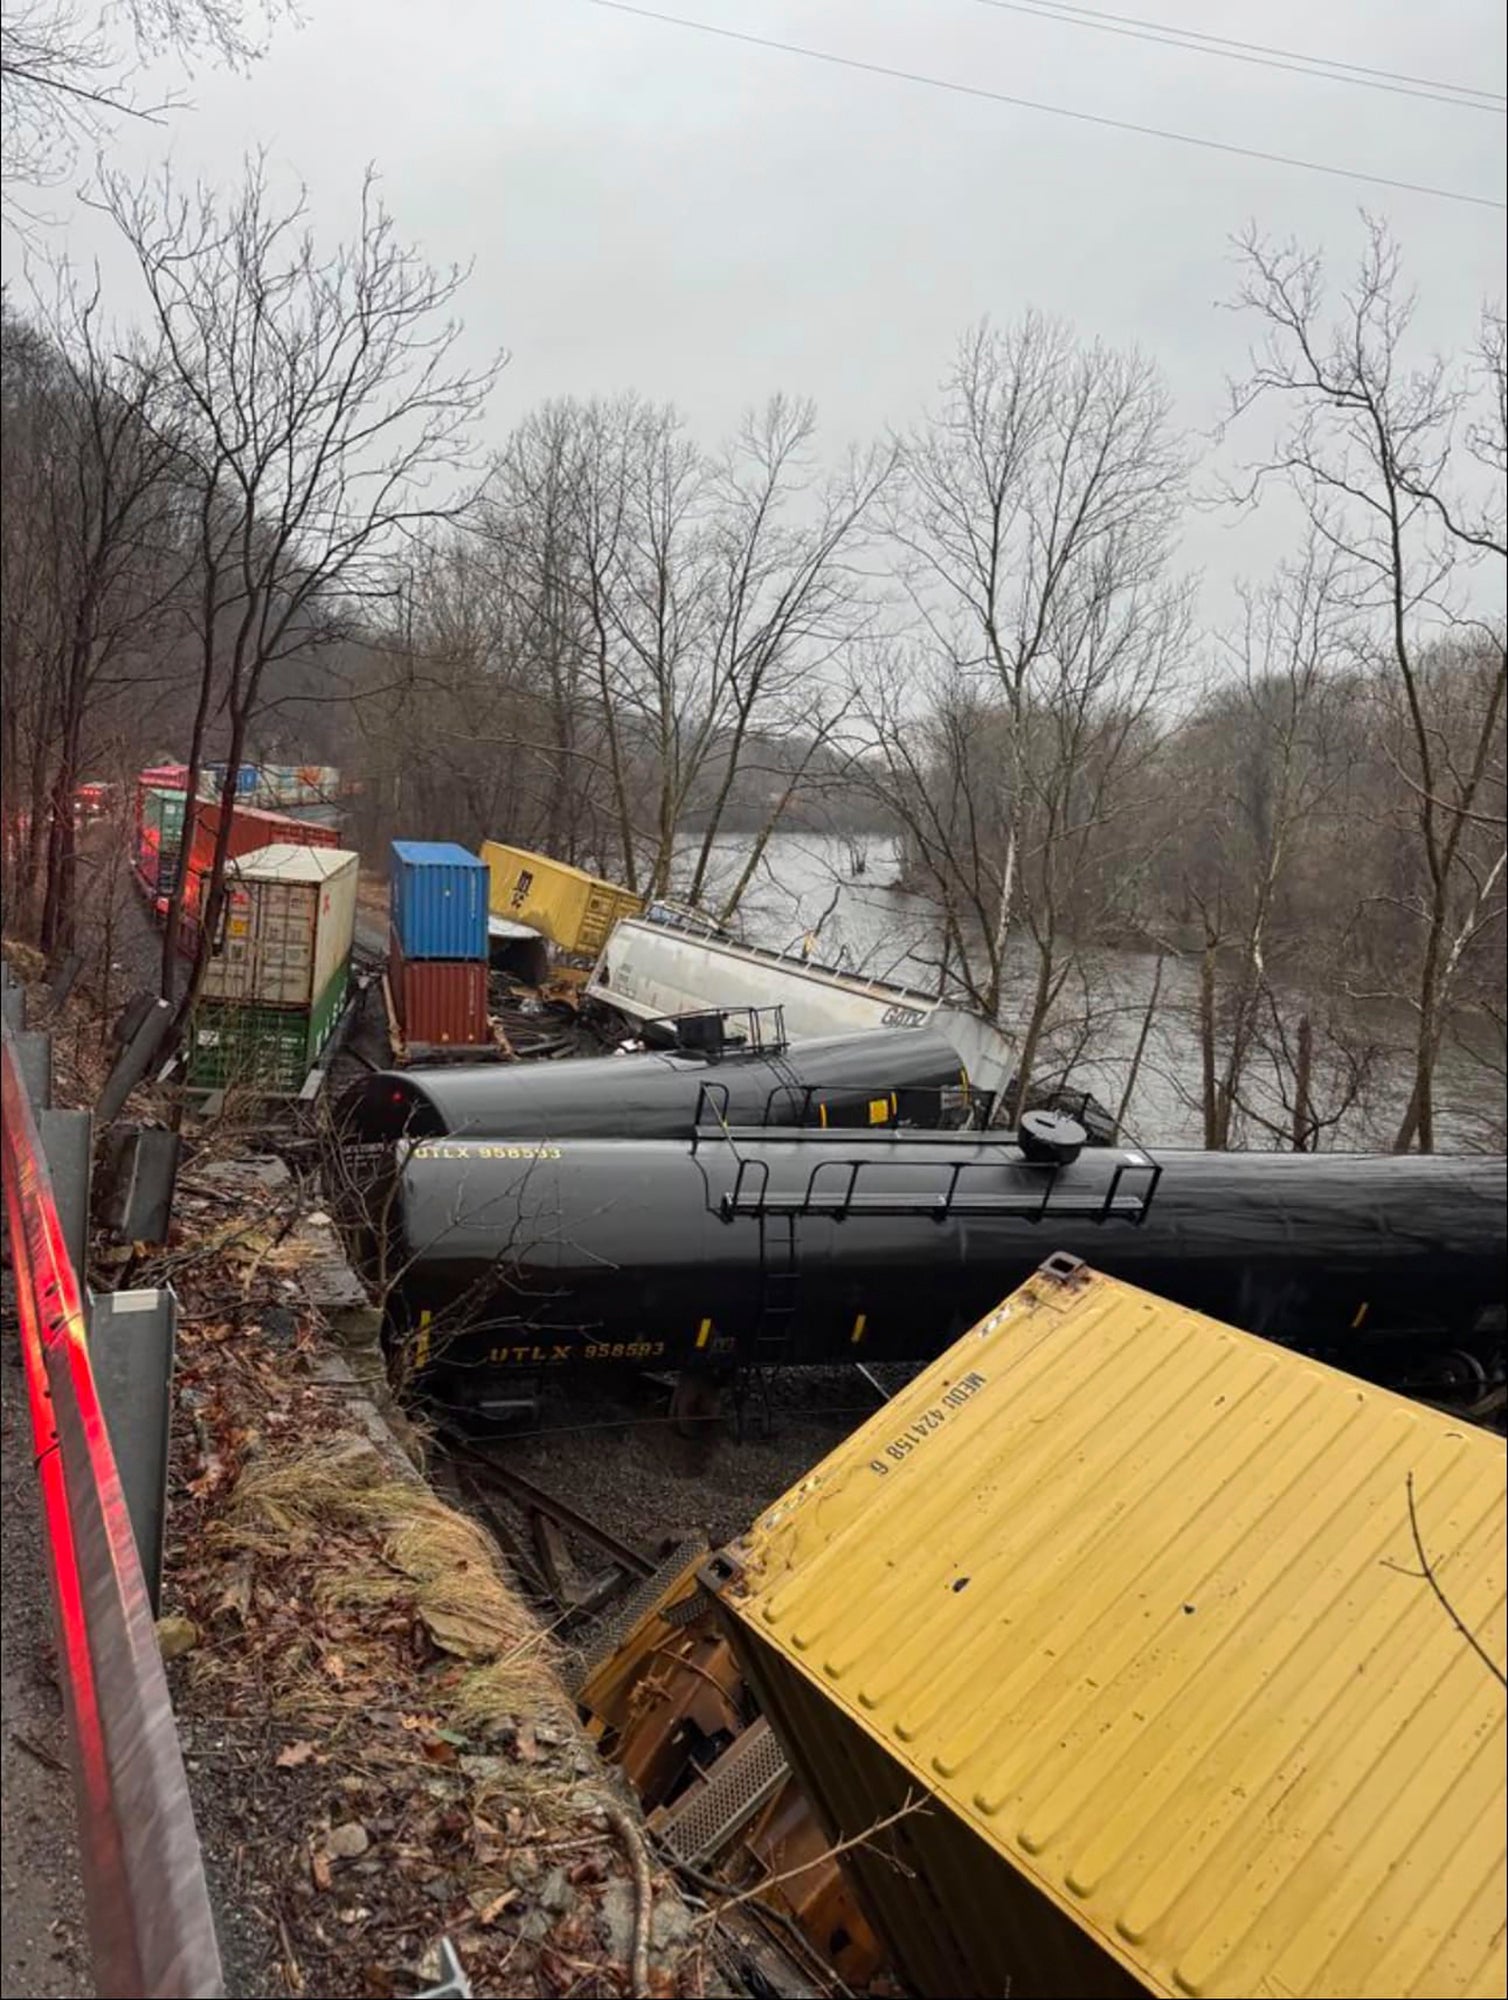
(402, 1549)
(363, 1659)
(27, 963)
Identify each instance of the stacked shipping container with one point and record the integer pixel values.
(250, 829)
(274, 990)
(163, 839)
(275, 785)
(437, 955)
(160, 840)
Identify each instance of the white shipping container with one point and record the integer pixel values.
(289, 923)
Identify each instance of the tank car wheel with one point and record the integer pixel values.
(696, 1403)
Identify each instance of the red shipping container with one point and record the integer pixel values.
(440, 1002)
(250, 828)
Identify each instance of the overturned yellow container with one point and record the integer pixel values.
(1179, 1656)
(574, 910)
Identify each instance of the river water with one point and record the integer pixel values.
(841, 890)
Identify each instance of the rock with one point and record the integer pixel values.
(176, 1636)
(615, 1917)
(555, 1893)
(484, 1770)
(671, 1924)
(348, 1841)
(264, 1171)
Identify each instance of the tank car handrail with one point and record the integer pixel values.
(708, 1092)
(1102, 1205)
(145, 1898)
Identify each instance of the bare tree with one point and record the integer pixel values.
(1248, 776)
(323, 416)
(1034, 512)
(1399, 469)
(113, 523)
(785, 607)
(659, 632)
(92, 563)
(68, 71)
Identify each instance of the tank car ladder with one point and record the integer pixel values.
(779, 1263)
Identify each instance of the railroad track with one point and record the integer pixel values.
(537, 1529)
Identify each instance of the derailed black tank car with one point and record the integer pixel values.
(520, 1255)
(910, 1076)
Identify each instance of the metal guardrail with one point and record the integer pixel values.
(147, 1905)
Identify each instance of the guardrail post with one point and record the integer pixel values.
(68, 1141)
(133, 1062)
(131, 1342)
(33, 1052)
(140, 1172)
(12, 999)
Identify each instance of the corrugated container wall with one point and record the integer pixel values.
(440, 1002)
(290, 920)
(576, 911)
(1133, 1604)
(438, 900)
(262, 1048)
(162, 832)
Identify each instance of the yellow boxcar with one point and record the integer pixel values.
(1189, 1649)
(574, 910)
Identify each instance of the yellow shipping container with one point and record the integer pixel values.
(1142, 1608)
(576, 911)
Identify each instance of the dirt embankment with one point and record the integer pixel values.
(381, 1752)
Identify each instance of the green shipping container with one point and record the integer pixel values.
(163, 815)
(247, 1046)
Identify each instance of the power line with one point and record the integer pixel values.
(1463, 96)
(1052, 110)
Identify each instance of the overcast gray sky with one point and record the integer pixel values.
(705, 221)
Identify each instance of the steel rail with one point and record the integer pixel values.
(151, 1931)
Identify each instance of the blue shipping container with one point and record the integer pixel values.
(248, 776)
(439, 900)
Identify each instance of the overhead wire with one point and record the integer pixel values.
(1051, 110)
(1463, 96)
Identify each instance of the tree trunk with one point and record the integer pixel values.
(1041, 1002)
(214, 888)
(1418, 1123)
(1303, 1073)
(174, 921)
(1141, 1047)
(1212, 1142)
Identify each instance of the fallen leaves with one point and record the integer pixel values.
(349, 1647)
(463, 1634)
(488, 1909)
